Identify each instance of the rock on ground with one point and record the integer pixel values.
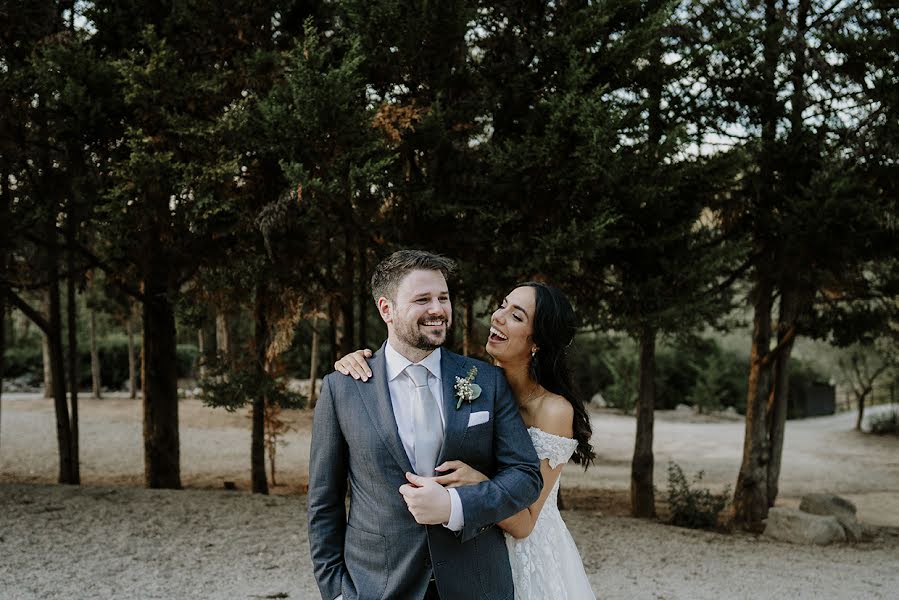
(835, 506)
(795, 526)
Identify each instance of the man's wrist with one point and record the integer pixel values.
(456, 519)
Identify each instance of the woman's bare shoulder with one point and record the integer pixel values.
(555, 416)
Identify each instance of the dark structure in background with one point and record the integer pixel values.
(812, 400)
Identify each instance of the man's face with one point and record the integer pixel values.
(421, 314)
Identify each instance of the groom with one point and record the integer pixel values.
(407, 537)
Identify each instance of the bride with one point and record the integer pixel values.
(529, 335)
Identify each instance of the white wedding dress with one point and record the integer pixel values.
(546, 564)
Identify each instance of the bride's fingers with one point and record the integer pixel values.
(348, 368)
(446, 466)
(447, 480)
(357, 363)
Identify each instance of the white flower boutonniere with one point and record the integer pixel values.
(466, 389)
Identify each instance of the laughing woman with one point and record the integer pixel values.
(529, 335)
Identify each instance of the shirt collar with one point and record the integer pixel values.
(397, 363)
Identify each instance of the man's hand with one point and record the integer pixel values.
(427, 500)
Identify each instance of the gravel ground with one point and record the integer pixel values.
(110, 539)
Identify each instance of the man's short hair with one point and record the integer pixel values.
(390, 271)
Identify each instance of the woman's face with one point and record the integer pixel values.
(511, 327)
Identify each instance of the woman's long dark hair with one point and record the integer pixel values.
(554, 327)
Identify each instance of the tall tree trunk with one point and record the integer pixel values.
(3, 328)
(467, 327)
(162, 467)
(779, 398)
(642, 493)
(347, 297)
(364, 293)
(48, 373)
(257, 443)
(201, 352)
(272, 443)
(313, 364)
(132, 359)
(751, 494)
(10, 322)
(860, 400)
(72, 318)
(96, 384)
(333, 329)
(67, 469)
(222, 336)
(5, 308)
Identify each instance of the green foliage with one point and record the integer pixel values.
(678, 367)
(113, 356)
(24, 360)
(622, 392)
(186, 355)
(886, 423)
(587, 363)
(721, 382)
(233, 387)
(691, 506)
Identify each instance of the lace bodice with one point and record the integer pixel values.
(546, 564)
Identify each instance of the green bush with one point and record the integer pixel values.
(186, 355)
(24, 360)
(884, 423)
(113, 355)
(693, 507)
(721, 382)
(586, 359)
(678, 366)
(621, 393)
(232, 387)
(688, 371)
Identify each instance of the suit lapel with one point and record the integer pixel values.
(451, 366)
(376, 400)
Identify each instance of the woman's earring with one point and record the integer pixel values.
(533, 352)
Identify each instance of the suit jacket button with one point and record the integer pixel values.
(428, 562)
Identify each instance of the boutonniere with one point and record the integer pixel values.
(466, 389)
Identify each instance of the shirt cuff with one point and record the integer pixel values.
(340, 597)
(457, 517)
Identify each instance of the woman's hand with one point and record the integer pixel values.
(355, 365)
(461, 474)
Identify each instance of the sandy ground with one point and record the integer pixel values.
(111, 539)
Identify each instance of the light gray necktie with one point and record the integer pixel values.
(428, 427)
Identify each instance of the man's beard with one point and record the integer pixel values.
(414, 337)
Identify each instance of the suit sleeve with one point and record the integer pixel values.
(326, 508)
(517, 483)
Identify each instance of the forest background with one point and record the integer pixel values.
(212, 182)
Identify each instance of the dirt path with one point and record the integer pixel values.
(97, 541)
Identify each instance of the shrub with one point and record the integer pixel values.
(678, 366)
(113, 355)
(622, 392)
(186, 355)
(587, 361)
(696, 508)
(885, 423)
(24, 360)
(722, 382)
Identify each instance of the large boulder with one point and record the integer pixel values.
(834, 506)
(797, 527)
